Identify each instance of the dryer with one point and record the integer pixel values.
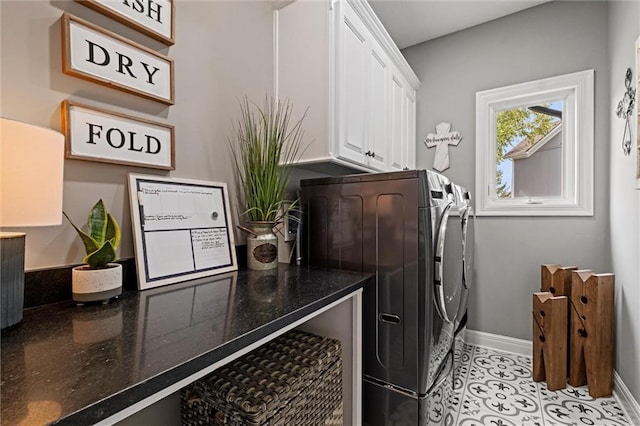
(398, 227)
(447, 252)
(468, 250)
(465, 223)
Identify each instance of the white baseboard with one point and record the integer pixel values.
(524, 347)
(499, 343)
(628, 402)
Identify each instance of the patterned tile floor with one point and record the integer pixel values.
(495, 389)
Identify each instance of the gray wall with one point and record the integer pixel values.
(624, 28)
(552, 39)
(223, 51)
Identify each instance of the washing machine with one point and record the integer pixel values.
(466, 224)
(449, 250)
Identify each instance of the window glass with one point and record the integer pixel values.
(534, 153)
(529, 151)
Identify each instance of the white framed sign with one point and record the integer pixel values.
(96, 134)
(95, 54)
(154, 18)
(182, 229)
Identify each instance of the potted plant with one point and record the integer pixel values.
(267, 144)
(99, 279)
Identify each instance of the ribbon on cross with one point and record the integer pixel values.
(441, 140)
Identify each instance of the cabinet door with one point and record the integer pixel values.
(351, 86)
(378, 120)
(398, 123)
(410, 120)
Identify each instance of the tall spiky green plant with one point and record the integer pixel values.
(267, 143)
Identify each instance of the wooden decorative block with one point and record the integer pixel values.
(556, 279)
(591, 357)
(550, 340)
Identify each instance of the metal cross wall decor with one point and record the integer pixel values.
(625, 111)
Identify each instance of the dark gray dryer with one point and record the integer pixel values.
(464, 221)
(395, 226)
(467, 225)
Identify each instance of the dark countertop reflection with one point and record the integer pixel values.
(78, 365)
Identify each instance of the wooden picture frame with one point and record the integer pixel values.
(97, 134)
(182, 229)
(95, 54)
(154, 18)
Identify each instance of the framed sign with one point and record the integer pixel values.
(154, 18)
(100, 56)
(96, 134)
(182, 229)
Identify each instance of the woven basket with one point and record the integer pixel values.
(295, 379)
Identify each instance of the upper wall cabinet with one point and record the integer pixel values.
(336, 58)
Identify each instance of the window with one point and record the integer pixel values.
(534, 153)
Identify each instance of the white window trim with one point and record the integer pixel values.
(576, 90)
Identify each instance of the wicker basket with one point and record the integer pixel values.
(295, 379)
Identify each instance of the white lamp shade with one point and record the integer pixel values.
(31, 174)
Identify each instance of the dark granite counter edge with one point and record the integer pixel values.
(132, 395)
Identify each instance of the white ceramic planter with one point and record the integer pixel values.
(92, 285)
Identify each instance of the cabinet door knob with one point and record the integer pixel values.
(373, 154)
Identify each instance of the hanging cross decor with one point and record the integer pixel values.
(625, 111)
(441, 140)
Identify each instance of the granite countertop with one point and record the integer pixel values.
(67, 364)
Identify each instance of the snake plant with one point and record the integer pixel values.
(102, 239)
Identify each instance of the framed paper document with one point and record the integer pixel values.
(182, 229)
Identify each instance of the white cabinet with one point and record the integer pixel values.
(352, 69)
(336, 58)
(397, 113)
(378, 136)
(410, 125)
(403, 123)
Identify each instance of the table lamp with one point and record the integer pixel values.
(31, 177)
